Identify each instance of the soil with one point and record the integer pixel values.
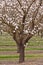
(32, 61)
(28, 61)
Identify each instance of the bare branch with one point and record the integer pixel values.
(3, 21)
(23, 21)
(21, 6)
(35, 14)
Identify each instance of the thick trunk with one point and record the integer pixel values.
(21, 57)
(18, 48)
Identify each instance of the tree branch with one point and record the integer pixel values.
(23, 21)
(6, 23)
(21, 6)
(34, 15)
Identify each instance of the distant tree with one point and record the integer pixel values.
(40, 30)
(22, 17)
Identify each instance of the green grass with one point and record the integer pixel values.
(34, 49)
(8, 56)
(15, 49)
(36, 41)
(34, 56)
(7, 40)
(8, 49)
(17, 56)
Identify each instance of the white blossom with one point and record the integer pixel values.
(3, 4)
(25, 31)
(14, 24)
(14, 31)
(16, 27)
(12, 15)
(41, 24)
(39, 28)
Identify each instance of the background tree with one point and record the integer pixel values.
(40, 30)
(22, 17)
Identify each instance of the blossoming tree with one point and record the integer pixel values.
(22, 18)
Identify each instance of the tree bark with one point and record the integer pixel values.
(21, 56)
(41, 34)
(18, 48)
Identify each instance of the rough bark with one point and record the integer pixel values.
(21, 56)
(18, 48)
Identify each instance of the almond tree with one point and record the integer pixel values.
(22, 17)
(40, 30)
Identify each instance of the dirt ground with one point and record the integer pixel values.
(36, 61)
(28, 61)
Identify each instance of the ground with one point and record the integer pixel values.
(9, 55)
(28, 60)
(35, 61)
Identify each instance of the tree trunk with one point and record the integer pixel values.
(41, 34)
(21, 57)
(18, 48)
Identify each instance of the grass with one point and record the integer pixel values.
(34, 49)
(17, 56)
(8, 56)
(8, 49)
(34, 55)
(36, 41)
(15, 49)
(7, 40)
